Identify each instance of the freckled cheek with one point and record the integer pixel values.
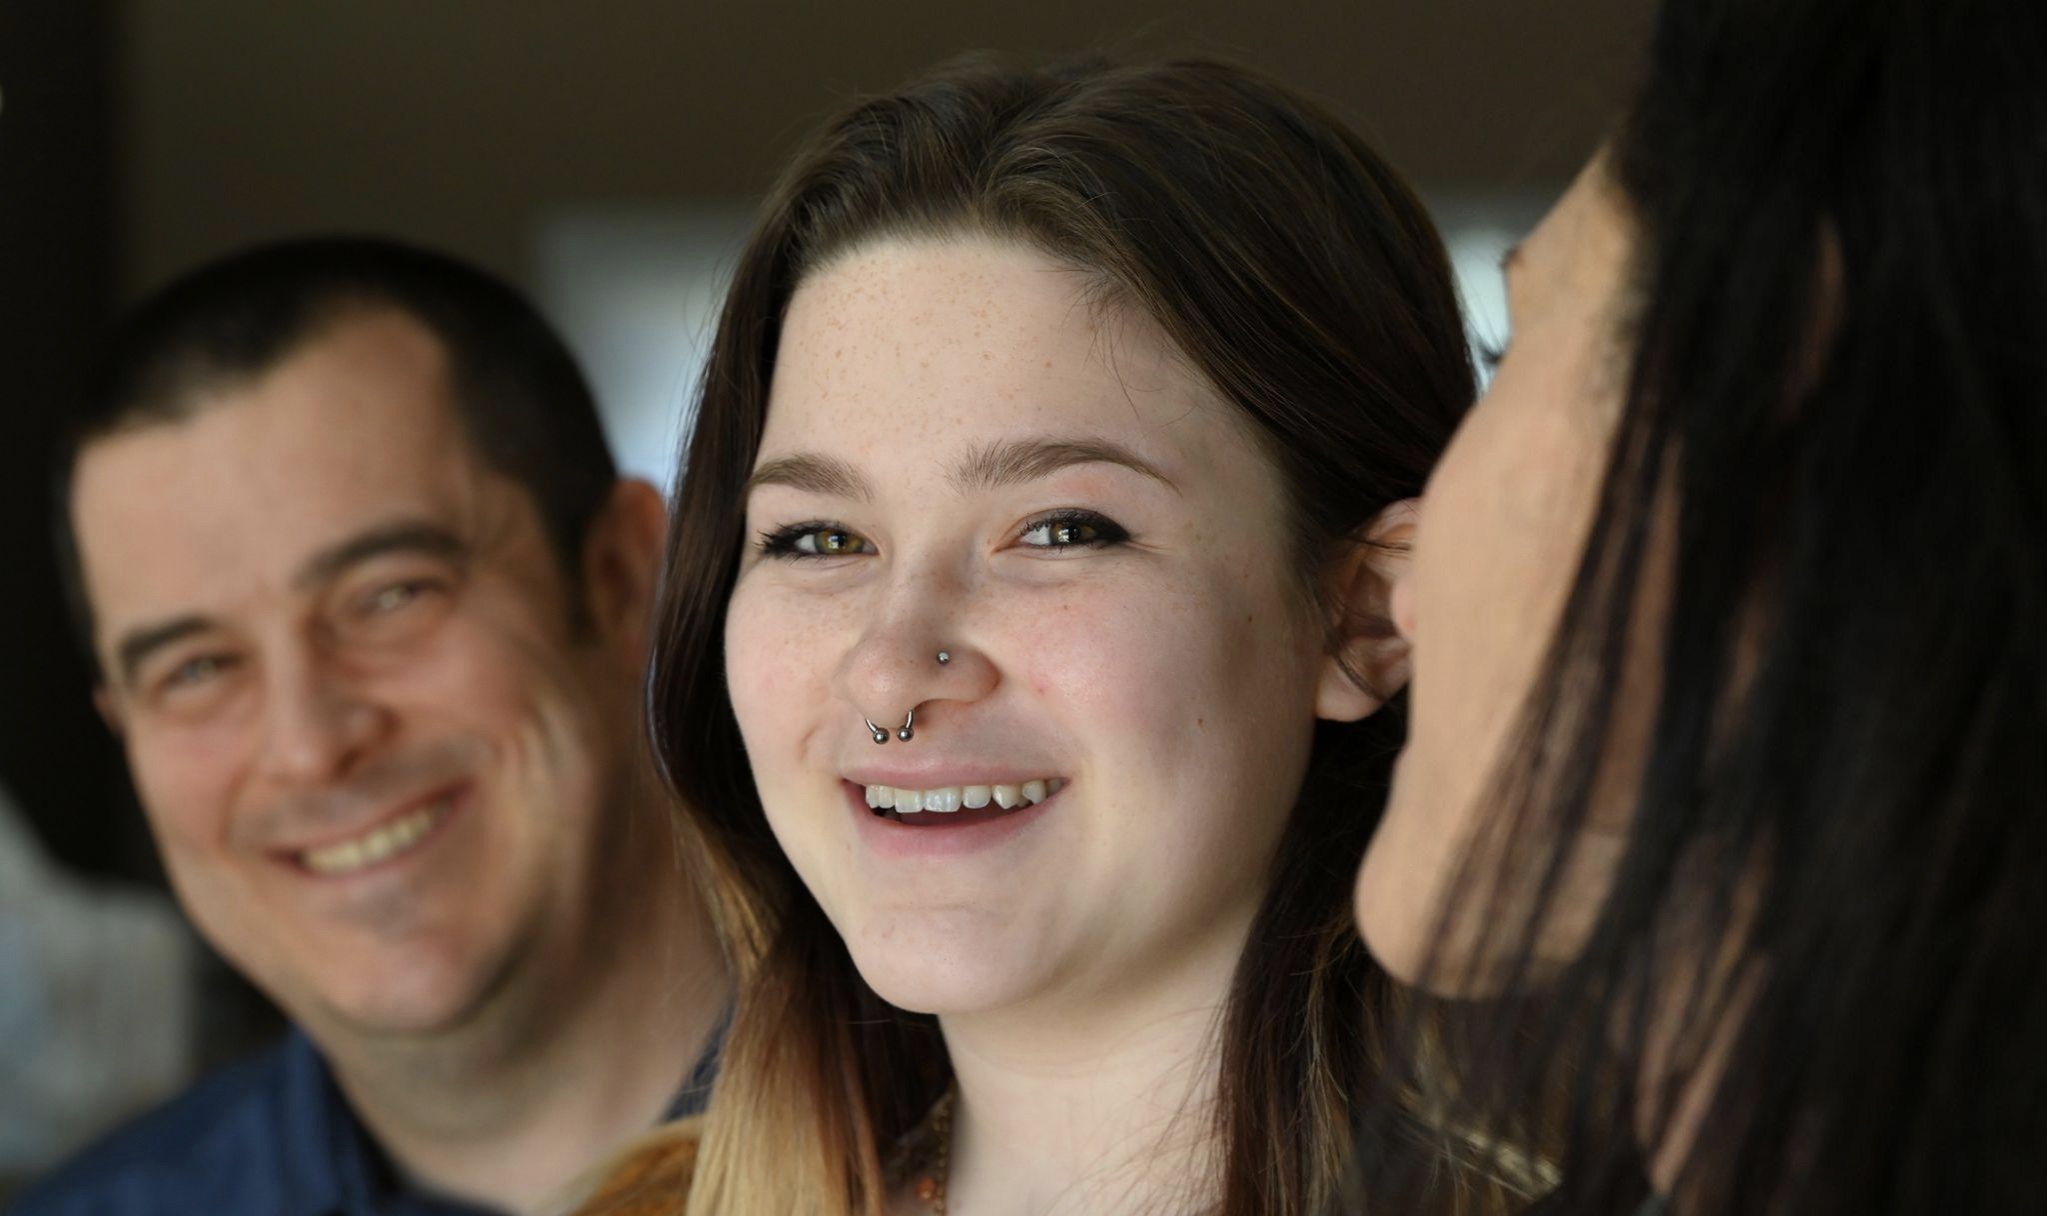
(1130, 676)
(779, 658)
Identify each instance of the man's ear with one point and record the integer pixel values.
(1367, 660)
(622, 555)
(103, 700)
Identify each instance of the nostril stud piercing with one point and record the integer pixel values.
(944, 657)
(880, 735)
(909, 721)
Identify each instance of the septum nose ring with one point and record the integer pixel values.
(906, 732)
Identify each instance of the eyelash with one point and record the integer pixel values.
(783, 542)
(1108, 531)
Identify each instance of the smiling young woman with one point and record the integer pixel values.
(1727, 617)
(1026, 643)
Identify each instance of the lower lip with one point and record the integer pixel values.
(456, 801)
(893, 838)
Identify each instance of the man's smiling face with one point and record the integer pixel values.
(378, 756)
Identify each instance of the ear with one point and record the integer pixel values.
(1367, 660)
(109, 707)
(622, 566)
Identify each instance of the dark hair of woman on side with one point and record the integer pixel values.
(1071, 412)
(1727, 778)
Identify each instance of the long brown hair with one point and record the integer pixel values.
(1297, 272)
(1827, 928)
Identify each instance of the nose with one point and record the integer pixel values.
(316, 724)
(895, 669)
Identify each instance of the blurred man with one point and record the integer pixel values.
(370, 608)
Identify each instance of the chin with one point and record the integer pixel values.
(1402, 939)
(1400, 882)
(415, 997)
(1392, 941)
(939, 977)
(399, 1014)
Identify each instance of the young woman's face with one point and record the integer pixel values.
(1504, 521)
(964, 456)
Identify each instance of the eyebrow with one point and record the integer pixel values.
(1016, 461)
(406, 536)
(138, 644)
(1010, 462)
(813, 472)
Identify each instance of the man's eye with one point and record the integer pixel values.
(1073, 530)
(388, 599)
(194, 673)
(814, 540)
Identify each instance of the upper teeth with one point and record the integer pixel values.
(949, 798)
(375, 845)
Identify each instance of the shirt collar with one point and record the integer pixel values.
(333, 1168)
(324, 1146)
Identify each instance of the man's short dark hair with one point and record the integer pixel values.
(518, 392)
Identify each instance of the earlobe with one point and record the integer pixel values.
(1366, 662)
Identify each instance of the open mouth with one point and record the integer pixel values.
(379, 843)
(958, 805)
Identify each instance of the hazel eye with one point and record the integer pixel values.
(1073, 530)
(815, 540)
(834, 542)
(1062, 534)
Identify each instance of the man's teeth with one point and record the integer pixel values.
(947, 799)
(386, 840)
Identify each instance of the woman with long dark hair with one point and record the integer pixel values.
(1025, 646)
(1728, 606)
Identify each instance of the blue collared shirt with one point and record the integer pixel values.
(270, 1136)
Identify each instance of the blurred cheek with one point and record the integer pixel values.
(1499, 548)
(1509, 510)
(185, 780)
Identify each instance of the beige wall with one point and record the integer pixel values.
(460, 122)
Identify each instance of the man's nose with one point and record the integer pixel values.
(317, 723)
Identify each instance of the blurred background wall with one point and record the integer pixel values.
(603, 155)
